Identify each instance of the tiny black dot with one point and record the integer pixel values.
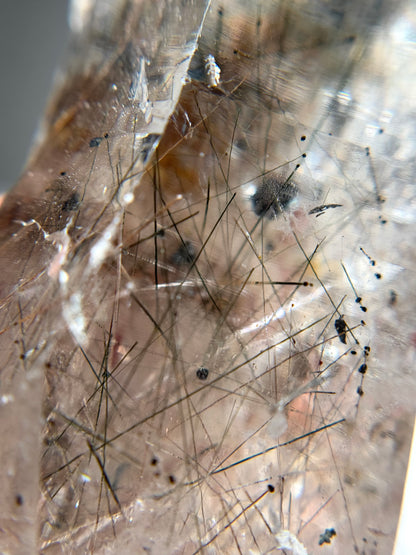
(63, 173)
(202, 373)
(381, 131)
(19, 500)
(303, 138)
(353, 352)
(154, 461)
(172, 479)
(360, 391)
(95, 142)
(362, 369)
(106, 136)
(364, 308)
(393, 297)
(270, 488)
(358, 299)
(378, 276)
(304, 155)
(220, 11)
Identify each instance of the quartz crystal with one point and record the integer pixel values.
(207, 284)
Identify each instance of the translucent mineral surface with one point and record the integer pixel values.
(207, 284)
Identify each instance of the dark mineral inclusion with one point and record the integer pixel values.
(272, 196)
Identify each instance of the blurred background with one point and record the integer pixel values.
(33, 40)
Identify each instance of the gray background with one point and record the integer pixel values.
(33, 40)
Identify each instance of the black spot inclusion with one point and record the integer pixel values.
(327, 536)
(272, 197)
(72, 203)
(202, 373)
(95, 142)
(185, 255)
(341, 329)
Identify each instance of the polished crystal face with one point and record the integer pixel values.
(207, 299)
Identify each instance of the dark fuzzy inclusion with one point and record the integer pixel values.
(272, 196)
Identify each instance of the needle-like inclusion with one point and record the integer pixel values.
(225, 191)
